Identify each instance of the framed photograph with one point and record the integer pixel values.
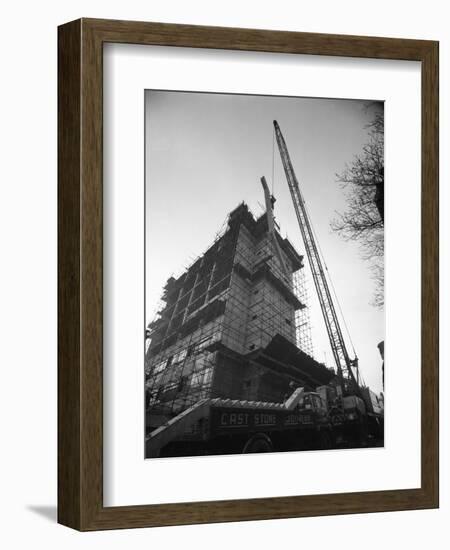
(248, 315)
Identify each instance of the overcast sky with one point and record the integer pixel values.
(206, 153)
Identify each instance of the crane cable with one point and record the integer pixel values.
(330, 280)
(273, 160)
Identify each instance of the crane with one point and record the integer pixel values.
(344, 363)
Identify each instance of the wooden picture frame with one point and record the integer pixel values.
(80, 272)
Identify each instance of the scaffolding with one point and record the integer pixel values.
(303, 320)
(228, 304)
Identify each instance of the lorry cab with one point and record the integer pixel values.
(312, 404)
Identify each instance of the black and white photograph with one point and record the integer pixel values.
(234, 325)
(264, 274)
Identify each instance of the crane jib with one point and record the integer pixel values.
(337, 342)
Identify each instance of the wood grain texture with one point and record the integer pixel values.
(430, 273)
(69, 245)
(80, 241)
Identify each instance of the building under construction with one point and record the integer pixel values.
(233, 325)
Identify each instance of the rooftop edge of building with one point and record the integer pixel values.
(257, 227)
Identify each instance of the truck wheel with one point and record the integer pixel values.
(258, 444)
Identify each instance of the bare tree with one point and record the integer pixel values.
(363, 219)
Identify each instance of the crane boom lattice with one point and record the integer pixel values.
(342, 359)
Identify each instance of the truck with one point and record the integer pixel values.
(307, 420)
